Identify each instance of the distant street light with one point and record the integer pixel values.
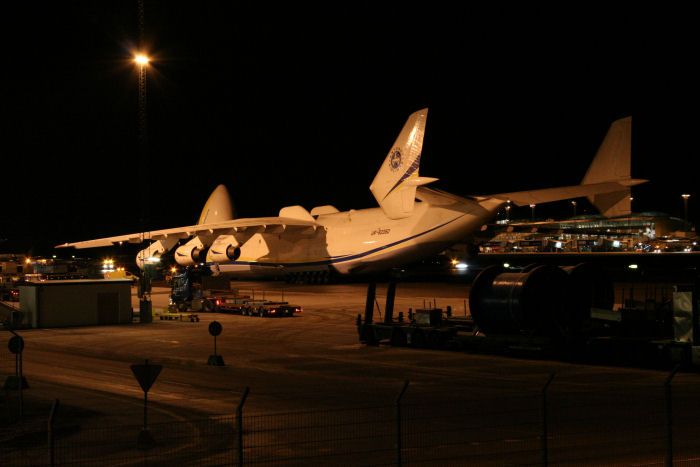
(573, 203)
(145, 284)
(507, 213)
(532, 207)
(142, 61)
(685, 211)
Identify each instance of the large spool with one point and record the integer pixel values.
(539, 300)
(529, 302)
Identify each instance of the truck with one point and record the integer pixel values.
(8, 288)
(187, 294)
(121, 273)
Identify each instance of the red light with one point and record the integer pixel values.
(273, 311)
(218, 302)
(298, 310)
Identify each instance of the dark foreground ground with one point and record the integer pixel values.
(319, 397)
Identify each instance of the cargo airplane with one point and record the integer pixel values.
(411, 222)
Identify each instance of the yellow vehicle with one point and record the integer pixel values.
(121, 273)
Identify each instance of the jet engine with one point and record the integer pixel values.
(190, 253)
(153, 252)
(224, 249)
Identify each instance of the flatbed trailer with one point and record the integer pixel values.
(251, 307)
(169, 316)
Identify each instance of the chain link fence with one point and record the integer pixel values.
(559, 426)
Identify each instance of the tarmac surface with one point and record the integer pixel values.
(315, 361)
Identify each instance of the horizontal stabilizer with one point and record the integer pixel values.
(437, 197)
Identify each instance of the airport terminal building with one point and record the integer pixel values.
(647, 232)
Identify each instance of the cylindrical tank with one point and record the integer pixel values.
(527, 302)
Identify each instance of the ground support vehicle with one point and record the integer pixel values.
(186, 294)
(9, 294)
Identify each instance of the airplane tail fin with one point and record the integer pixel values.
(394, 186)
(218, 207)
(612, 164)
(606, 183)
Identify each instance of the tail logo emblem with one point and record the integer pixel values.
(395, 159)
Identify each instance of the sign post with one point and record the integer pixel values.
(18, 381)
(146, 375)
(215, 329)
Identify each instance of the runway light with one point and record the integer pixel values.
(633, 266)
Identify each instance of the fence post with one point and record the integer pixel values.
(54, 406)
(545, 448)
(669, 417)
(398, 424)
(239, 425)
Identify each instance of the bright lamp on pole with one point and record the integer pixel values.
(141, 59)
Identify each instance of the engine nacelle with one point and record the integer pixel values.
(193, 252)
(153, 252)
(224, 249)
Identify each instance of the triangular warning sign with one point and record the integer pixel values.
(146, 374)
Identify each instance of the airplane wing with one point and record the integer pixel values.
(524, 198)
(232, 227)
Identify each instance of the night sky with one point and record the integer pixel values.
(300, 105)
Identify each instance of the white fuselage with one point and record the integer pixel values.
(362, 241)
